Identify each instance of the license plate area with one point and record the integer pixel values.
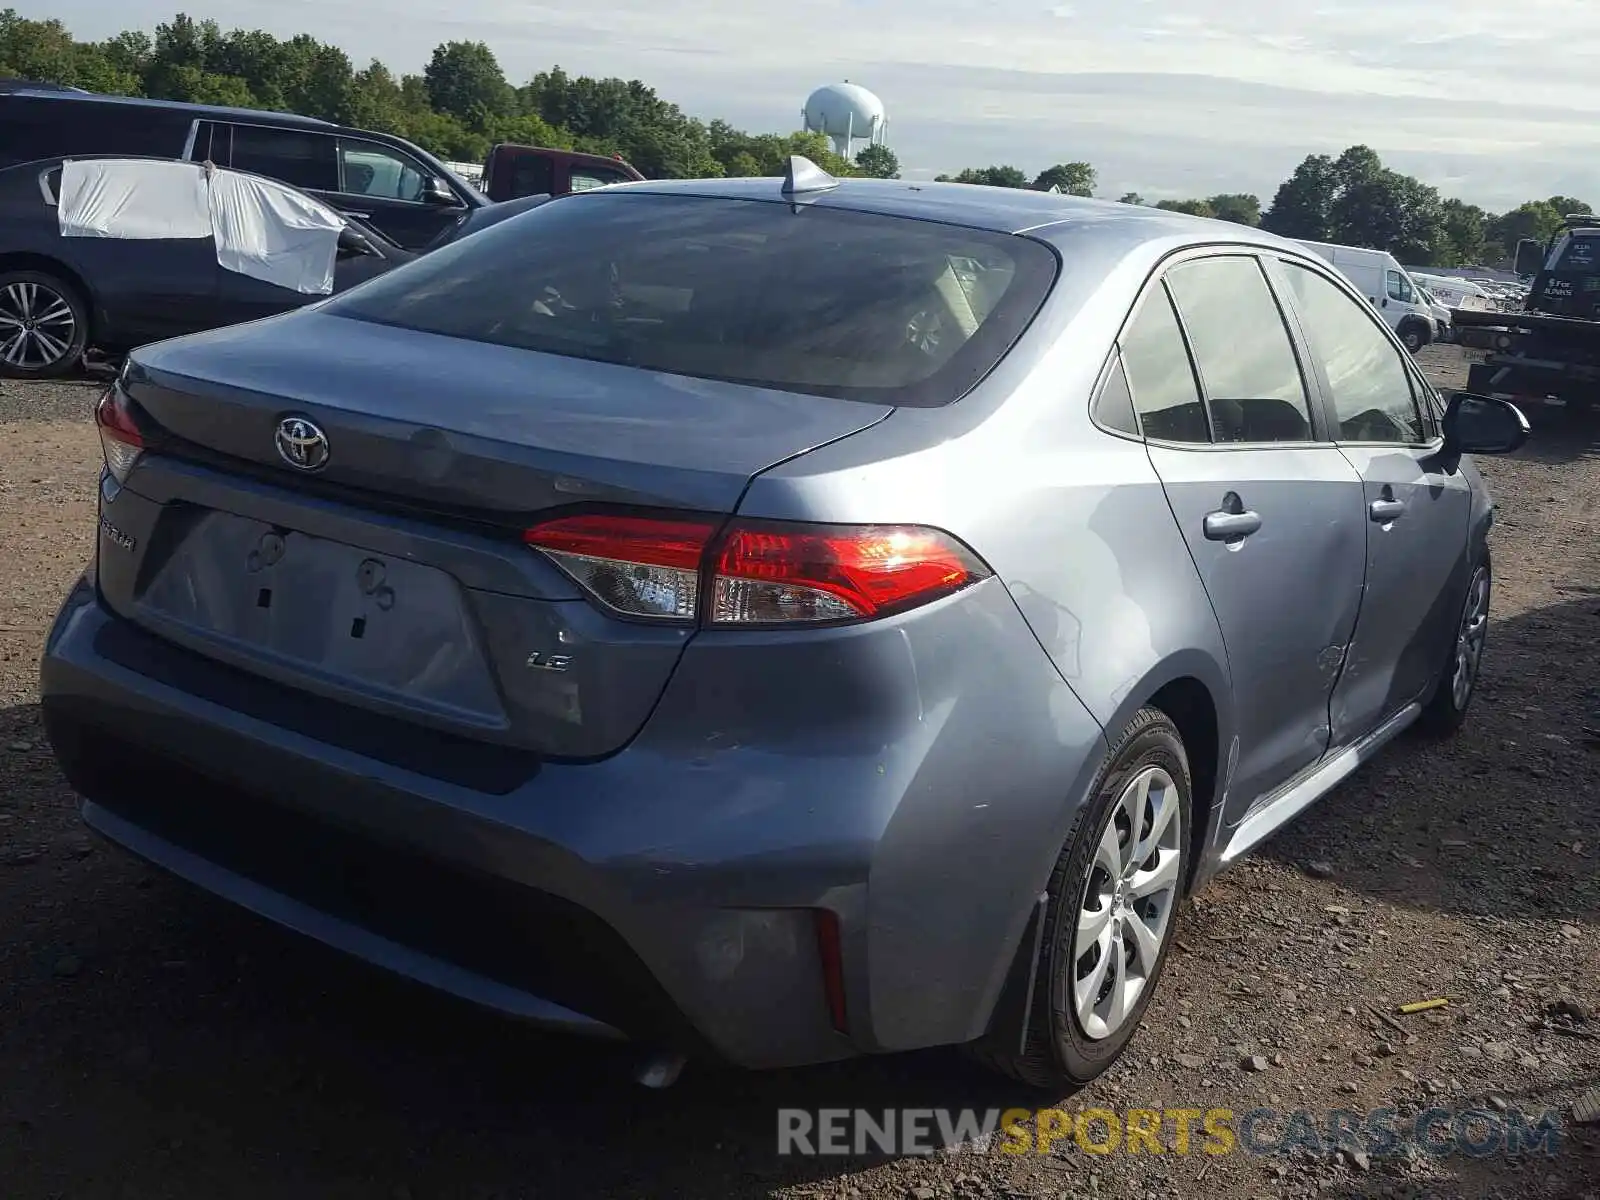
(326, 614)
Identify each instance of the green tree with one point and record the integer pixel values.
(1389, 211)
(1010, 177)
(1300, 207)
(375, 99)
(1195, 208)
(1073, 178)
(1567, 205)
(1466, 226)
(1131, 198)
(879, 162)
(464, 81)
(1356, 200)
(1239, 207)
(1537, 219)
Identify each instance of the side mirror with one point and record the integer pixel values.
(437, 191)
(1476, 424)
(353, 244)
(1530, 257)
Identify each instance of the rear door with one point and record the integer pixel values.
(1416, 515)
(241, 297)
(147, 289)
(1269, 508)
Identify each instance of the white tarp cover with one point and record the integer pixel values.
(269, 232)
(133, 198)
(261, 229)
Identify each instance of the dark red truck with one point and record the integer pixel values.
(512, 171)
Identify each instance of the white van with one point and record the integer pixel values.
(1385, 283)
(1456, 293)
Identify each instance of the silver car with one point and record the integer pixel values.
(781, 620)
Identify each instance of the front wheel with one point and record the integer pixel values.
(1458, 680)
(44, 326)
(1111, 914)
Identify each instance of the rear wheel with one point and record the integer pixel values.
(1111, 914)
(44, 325)
(1413, 336)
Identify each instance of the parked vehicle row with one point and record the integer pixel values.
(774, 620)
(383, 181)
(115, 286)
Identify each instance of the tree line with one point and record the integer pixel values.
(462, 103)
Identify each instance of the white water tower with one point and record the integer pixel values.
(847, 113)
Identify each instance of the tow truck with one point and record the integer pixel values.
(1549, 351)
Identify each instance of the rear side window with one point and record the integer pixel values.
(584, 179)
(303, 160)
(810, 299)
(532, 175)
(1247, 362)
(33, 127)
(1160, 375)
(1113, 406)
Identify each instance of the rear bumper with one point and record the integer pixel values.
(666, 893)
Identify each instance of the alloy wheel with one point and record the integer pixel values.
(1470, 638)
(1128, 901)
(37, 325)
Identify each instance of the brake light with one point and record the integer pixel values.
(755, 574)
(768, 574)
(120, 440)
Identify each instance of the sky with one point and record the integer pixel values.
(1491, 101)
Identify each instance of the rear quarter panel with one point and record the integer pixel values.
(1074, 522)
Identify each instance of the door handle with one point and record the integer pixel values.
(1224, 526)
(1384, 511)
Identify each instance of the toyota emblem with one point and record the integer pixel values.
(301, 444)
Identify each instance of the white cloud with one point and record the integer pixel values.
(1167, 97)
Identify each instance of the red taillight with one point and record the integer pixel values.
(831, 953)
(120, 439)
(767, 574)
(755, 573)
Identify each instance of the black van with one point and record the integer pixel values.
(404, 191)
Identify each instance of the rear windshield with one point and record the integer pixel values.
(1579, 254)
(805, 299)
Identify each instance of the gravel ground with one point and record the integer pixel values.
(156, 1043)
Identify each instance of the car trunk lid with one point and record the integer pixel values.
(394, 578)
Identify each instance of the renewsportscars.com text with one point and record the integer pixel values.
(1476, 1133)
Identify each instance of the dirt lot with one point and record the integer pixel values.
(155, 1043)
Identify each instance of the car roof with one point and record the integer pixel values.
(1002, 210)
(196, 110)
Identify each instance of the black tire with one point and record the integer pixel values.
(1058, 1054)
(1413, 336)
(1446, 711)
(45, 312)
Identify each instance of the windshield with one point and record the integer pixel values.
(807, 299)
